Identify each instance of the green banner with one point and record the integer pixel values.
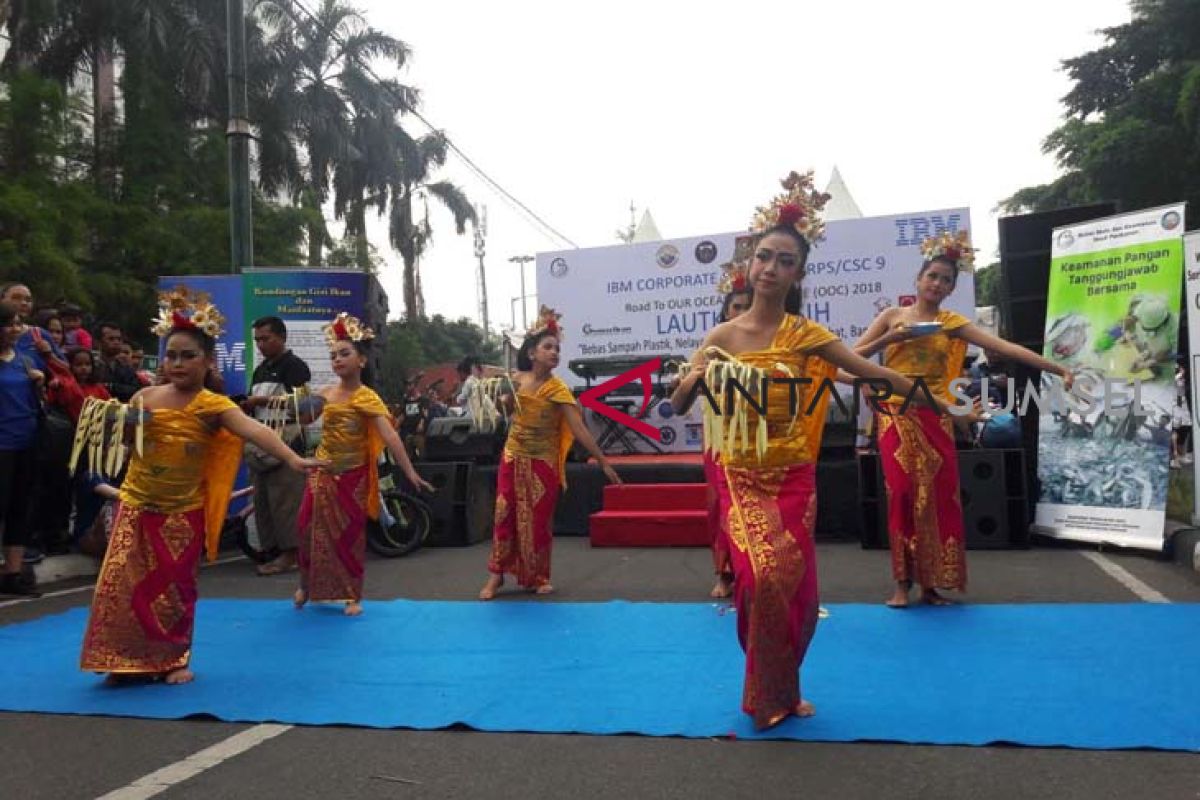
(1112, 318)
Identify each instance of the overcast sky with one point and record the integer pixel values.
(694, 110)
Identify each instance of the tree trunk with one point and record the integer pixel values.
(104, 115)
(420, 293)
(316, 230)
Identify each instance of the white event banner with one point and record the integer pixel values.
(635, 302)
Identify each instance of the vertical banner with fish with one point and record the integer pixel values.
(1191, 266)
(1112, 318)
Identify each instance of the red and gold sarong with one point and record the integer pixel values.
(714, 476)
(145, 601)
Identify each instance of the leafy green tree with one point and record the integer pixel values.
(1132, 132)
(987, 286)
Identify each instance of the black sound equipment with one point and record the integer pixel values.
(992, 492)
(461, 503)
(459, 439)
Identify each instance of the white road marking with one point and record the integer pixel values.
(1143, 590)
(160, 780)
(90, 587)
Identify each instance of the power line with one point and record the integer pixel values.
(471, 165)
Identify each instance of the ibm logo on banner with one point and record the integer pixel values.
(231, 359)
(914, 230)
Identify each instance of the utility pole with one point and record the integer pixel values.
(480, 250)
(237, 134)
(521, 261)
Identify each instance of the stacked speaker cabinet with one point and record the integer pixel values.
(460, 439)
(462, 502)
(992, 492)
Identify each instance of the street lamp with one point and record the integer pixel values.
(521, 261)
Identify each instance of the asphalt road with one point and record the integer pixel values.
(82, 757)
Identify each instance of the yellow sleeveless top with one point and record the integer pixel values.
(350, 440)
(791, 438)
(539, 428)
(937, 358)
(187, 462)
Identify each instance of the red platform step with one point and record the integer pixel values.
(655, 496)
(651, 515)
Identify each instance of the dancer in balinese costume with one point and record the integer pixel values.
(768, 498)
(920, 466)
(342, 496)
(533, 468)
(737, 293)
(185, 456)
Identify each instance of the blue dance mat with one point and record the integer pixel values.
(1084, 676)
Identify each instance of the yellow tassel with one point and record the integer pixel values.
(140, 429)
(81, 432)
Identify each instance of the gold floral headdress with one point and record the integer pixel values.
(183, 308)
(347, 328)
(547, 320)
(799, 206)
(735, 278)
(954, 247)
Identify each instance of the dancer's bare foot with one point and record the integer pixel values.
(805, 709)
(724, 588)
(181, 675)
(545, 588)
(899, 598)
(931, 597)
(353, 608)
(488, 591)
(300, 598)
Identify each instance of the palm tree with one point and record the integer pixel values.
(410, 235)
(325, 88)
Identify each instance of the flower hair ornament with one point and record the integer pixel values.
(734, 278)
(347, 328)
(547, 321)
(183, 308)
(799, 207)
(954, 247)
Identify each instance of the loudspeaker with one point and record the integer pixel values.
(992, 492)
(458, 439)
(463, 504)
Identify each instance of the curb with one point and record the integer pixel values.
(53, 569)
(1183, 544)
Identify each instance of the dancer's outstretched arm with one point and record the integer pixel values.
(977, 336)
(575, 423)
(236, 422)
(396, 447)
